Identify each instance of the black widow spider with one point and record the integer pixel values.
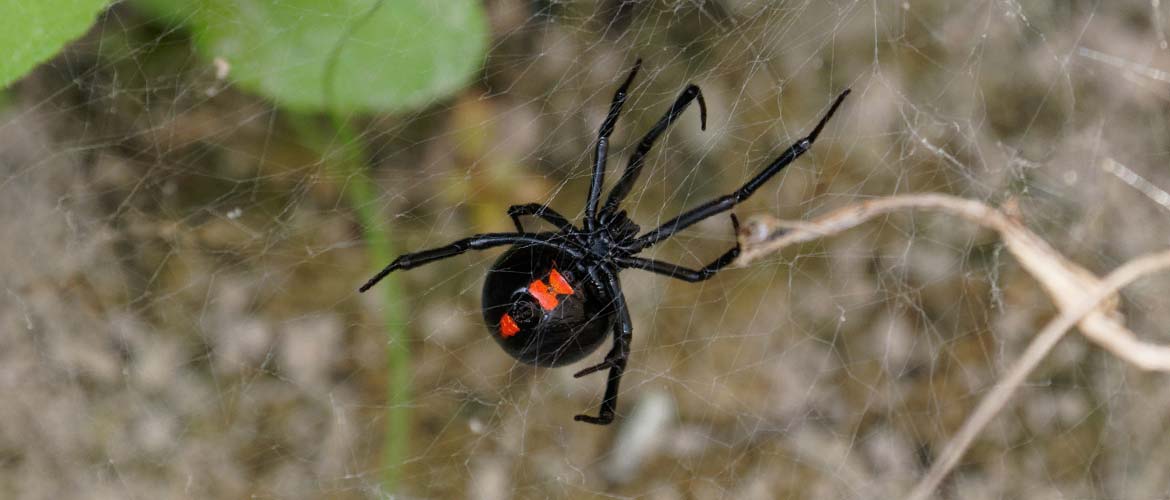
(552, 298)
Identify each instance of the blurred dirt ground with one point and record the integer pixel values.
(179, 316)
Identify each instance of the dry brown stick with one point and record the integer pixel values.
(1083, 299)
(1066, 282)
(1040, 346)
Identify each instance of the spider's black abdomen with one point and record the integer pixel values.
(541, 308)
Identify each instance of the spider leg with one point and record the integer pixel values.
(684, 273)
(615, 361)
(634, 167)
(538, 210)
(680, 272)
(724, 203)
(477, 242)
(599, 157)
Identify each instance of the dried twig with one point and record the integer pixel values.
(1033, 355)
(1084, 299)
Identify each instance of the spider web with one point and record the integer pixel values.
(179, 316)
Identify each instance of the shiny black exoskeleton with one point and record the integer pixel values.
(547, 328)
(553, 298)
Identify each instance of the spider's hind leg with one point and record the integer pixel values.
(615, 361)
(477, 242)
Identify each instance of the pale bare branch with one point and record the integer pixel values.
(1066, 282)
(1083, 299)
(1040, 346)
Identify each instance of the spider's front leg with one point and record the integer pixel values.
(601, 149)
(726, 202)
(616, 360)
(538, 210)
(638, 159)
(685, 273)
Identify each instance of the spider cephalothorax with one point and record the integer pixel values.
(553, 298)
(618, 228)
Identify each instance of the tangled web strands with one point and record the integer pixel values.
(179, 261)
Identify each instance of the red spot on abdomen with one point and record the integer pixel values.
(558, 283)
(547, 295)
(548, 301)
(508, 326)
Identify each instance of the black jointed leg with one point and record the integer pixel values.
(538, 210)
(680, 272)
(685, 273)
(477, 242)
(525, 280)
(724, 203)
(601, 152)
(616, 360)
(634, 167)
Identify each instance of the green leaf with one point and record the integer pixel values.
(32, 31)
(379, 55)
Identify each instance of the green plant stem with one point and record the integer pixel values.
(345, 156)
